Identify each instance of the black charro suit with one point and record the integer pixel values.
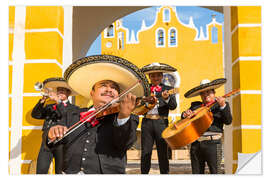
(210, 151)
(151, 131)
(97, 150)
(51, 116)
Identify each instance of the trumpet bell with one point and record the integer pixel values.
(38, 86)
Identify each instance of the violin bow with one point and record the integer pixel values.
(84, 120)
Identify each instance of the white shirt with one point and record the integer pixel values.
(154, 111)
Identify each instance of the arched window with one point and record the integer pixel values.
(172, 37)
(166, 15)
(109, 31)
(121, 40)
(214, 32)
(160, 38)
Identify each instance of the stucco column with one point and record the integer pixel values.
(243, 35)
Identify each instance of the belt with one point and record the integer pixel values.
(80, 172)
(155, 116)
(210, 137)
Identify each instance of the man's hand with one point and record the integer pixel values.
(57, 132)
(187, 113)
(127, 105)
(165, 94)
(221, 101)
(43, 99)
(53, 96)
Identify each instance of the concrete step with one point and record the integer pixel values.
(182, 154)
(176, 167)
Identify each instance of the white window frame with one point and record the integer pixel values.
(169, 37)
(164, 19)
(105, 32)
(164, 37)
(212, 35)
(121, 37)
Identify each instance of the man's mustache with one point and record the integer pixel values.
(107, 94)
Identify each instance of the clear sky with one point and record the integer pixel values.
(201, 17)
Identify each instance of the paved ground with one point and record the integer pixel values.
(176, 167)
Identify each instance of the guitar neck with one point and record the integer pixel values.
(231, 93)
(225, 96)
(173, 91)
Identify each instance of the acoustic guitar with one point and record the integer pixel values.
(185, 131)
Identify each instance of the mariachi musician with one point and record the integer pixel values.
(55, 89)
(156, 120)
(208, 147)
(99, 146)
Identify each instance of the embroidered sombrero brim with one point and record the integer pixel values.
(56, 82)
(82, 74)
(158, 67)
(203, 87)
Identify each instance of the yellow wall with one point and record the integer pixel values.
(44, 26)
(194, 60)
(38, 72)
(246, 75)
(45, 17)
(48, 45)
(11, 26)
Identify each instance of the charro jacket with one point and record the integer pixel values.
(97, 150)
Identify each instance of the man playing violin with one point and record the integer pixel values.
(156, 120)
(52, 113)
(208, 148)
(99, 148)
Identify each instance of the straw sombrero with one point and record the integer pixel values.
(56, 82)
(82, 74)
(157, 67)
(205, 85)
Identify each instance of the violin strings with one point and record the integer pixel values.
(78, 124)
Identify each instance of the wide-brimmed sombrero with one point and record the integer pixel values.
(205, 85)
(157, 67)
(83, 73)
(56, 82)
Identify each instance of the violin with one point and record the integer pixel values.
(148, 102)
(93, 116)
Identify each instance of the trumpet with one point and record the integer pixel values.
(40, 87)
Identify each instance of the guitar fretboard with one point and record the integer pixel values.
(173, 91)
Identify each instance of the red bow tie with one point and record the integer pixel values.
(54, 107)
(85, 116)
(156, 88)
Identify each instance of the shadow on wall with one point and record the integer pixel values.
(28, 145)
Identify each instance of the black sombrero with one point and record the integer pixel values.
(82, 74)
(56, 82)
(205, 85)
(157, 67)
